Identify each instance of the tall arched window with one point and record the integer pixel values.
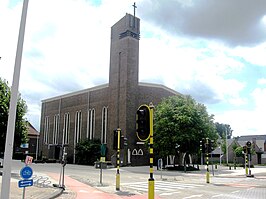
(104, 124)
(56, 129)
(66, 128)
(78, 122)
(91, 123)
(46, 130)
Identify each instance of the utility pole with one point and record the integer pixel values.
(13, 107)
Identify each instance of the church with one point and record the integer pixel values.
(95, 112)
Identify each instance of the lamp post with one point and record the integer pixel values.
(220, 154)
(226, 146)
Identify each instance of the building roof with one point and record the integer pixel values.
(251, 137)
(32, 131)
(105, 86)
(159, 86)
(76, 93)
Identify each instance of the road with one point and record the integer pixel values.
(168, 184)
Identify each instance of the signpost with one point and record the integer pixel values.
(26, 173)
(160, 166)
(25, 183)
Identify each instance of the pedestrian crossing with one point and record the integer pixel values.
(160, 186)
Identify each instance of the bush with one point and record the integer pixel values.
(88, 151)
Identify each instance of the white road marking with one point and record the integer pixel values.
(235, 192)
(217, 195)
(194, 196)
(161, 186)
(83, 191)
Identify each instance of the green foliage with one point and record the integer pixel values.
(181, 120)
(88, 151)
(20, 124)
(224, 129)
(238, 151)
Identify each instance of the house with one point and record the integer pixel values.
(258, 145)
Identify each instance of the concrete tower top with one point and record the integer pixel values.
(127, 26)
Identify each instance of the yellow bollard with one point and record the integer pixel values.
(117, 182)
(118, 161)
(151, 188)
(208, 176)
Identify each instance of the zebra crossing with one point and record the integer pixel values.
(160, 186)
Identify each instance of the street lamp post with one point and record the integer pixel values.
(226, 146)
(220, 154)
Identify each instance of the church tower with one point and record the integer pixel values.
(123, 74)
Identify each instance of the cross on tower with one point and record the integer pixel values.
(134, 5)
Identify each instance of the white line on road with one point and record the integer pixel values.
(83, 191)
(193, 196)
(235, 192)
(217, 195)
(250, 188)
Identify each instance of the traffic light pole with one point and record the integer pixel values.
(207, 162)
(246, 159)
(118, 161)
(151, 179)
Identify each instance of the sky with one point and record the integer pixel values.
(209, 49)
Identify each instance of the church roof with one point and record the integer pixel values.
(76, 92)
(105, 86)
(159, 86)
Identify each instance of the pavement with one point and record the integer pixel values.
(43, 187)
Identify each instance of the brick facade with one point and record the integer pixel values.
(120, 98)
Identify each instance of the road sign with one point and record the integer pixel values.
(25, 183)
(28, 160)
(26, 172)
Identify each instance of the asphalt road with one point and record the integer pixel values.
(168, 184)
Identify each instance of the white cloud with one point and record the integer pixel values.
(254, 55)
(262, 81)
(67, 47)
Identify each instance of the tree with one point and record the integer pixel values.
(223, 130)
(20, 124)
(181, 122)
(88, 151)
(238, 151)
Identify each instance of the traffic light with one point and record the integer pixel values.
(248, 144)
(115, 141)
(122, 142)
(143, 122)
(211, 146)
(202, 145)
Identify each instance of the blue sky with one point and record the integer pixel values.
(212, 50)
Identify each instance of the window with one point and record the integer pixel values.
(66, 128)
(56, 129)
(46, 130)
(104, 124)
(91, 123)
(78, 122)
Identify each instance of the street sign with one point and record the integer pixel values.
(25, 183)
(26, 172)
(28, 160)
